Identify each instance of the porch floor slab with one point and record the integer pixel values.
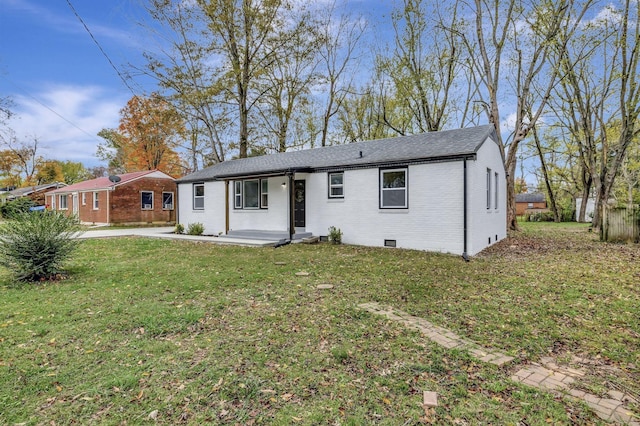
(258, 234)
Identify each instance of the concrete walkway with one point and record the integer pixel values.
(545, 375)
(168, 232)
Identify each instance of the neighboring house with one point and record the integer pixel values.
(441, 191)
(35, 192)
(533, 202)
(130, 198)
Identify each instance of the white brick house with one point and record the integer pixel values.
(440, 191)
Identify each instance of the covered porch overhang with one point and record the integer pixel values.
(276, 236)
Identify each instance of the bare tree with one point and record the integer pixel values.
(339, 42)
(513, 41)
(184, 68)
(424, 64)
(25, 155)
(286, 84)
(580, 101)
(627, 124)
(239, 32)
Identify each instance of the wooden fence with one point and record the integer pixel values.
(621, 224)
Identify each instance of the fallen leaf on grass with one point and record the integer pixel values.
(153, 415)
(217, 386)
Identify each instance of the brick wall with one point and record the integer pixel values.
(126, 202)
(521, 207)
(87, 213)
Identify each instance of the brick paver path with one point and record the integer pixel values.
(550, 376)
(546, 375)
(440, 335)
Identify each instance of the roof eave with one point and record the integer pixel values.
(341, 166)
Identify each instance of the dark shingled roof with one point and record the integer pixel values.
(535, 197)
(449, 144)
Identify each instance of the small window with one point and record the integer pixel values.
(146, 199)
(529, 205)
(84, 198)
(63, 202)
(237, 194)
(198, 196)
(488, 189)
(250, 193)
(495, 192)
(336, 185)
(96, 205)
(167, 201)
(393, 189)
(264, 193)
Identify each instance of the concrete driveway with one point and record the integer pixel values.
(128, 232)
(168, 232)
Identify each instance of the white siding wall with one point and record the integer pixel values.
(212, 216)
(432, 222)
(485, 224)
(273, 218)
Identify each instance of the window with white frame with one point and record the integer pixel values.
(251, 194)
(237, 194)
(63, 202)
(495, 192)
(167, 201)
(488, 189)
(264, 193)
(393, 189)
(198, 196)
(96, 204)
(84, 198)
(146, 200)
(336, 185)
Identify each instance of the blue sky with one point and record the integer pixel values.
(63, 87)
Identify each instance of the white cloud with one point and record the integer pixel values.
(66, 120)
(68, 23)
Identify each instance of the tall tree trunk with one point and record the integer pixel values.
(547, 180)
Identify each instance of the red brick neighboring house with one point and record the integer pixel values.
(130, 198)
(534, 202)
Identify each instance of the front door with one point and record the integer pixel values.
(299, 204)
(74, 201)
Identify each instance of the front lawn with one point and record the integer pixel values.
(158, 331)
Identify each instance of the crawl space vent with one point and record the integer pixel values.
(389, 243)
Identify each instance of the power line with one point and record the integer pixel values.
(122, 77)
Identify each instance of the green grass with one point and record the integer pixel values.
(174, 332)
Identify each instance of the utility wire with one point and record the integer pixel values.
(122, 77)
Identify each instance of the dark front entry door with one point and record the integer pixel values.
(298, 204)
